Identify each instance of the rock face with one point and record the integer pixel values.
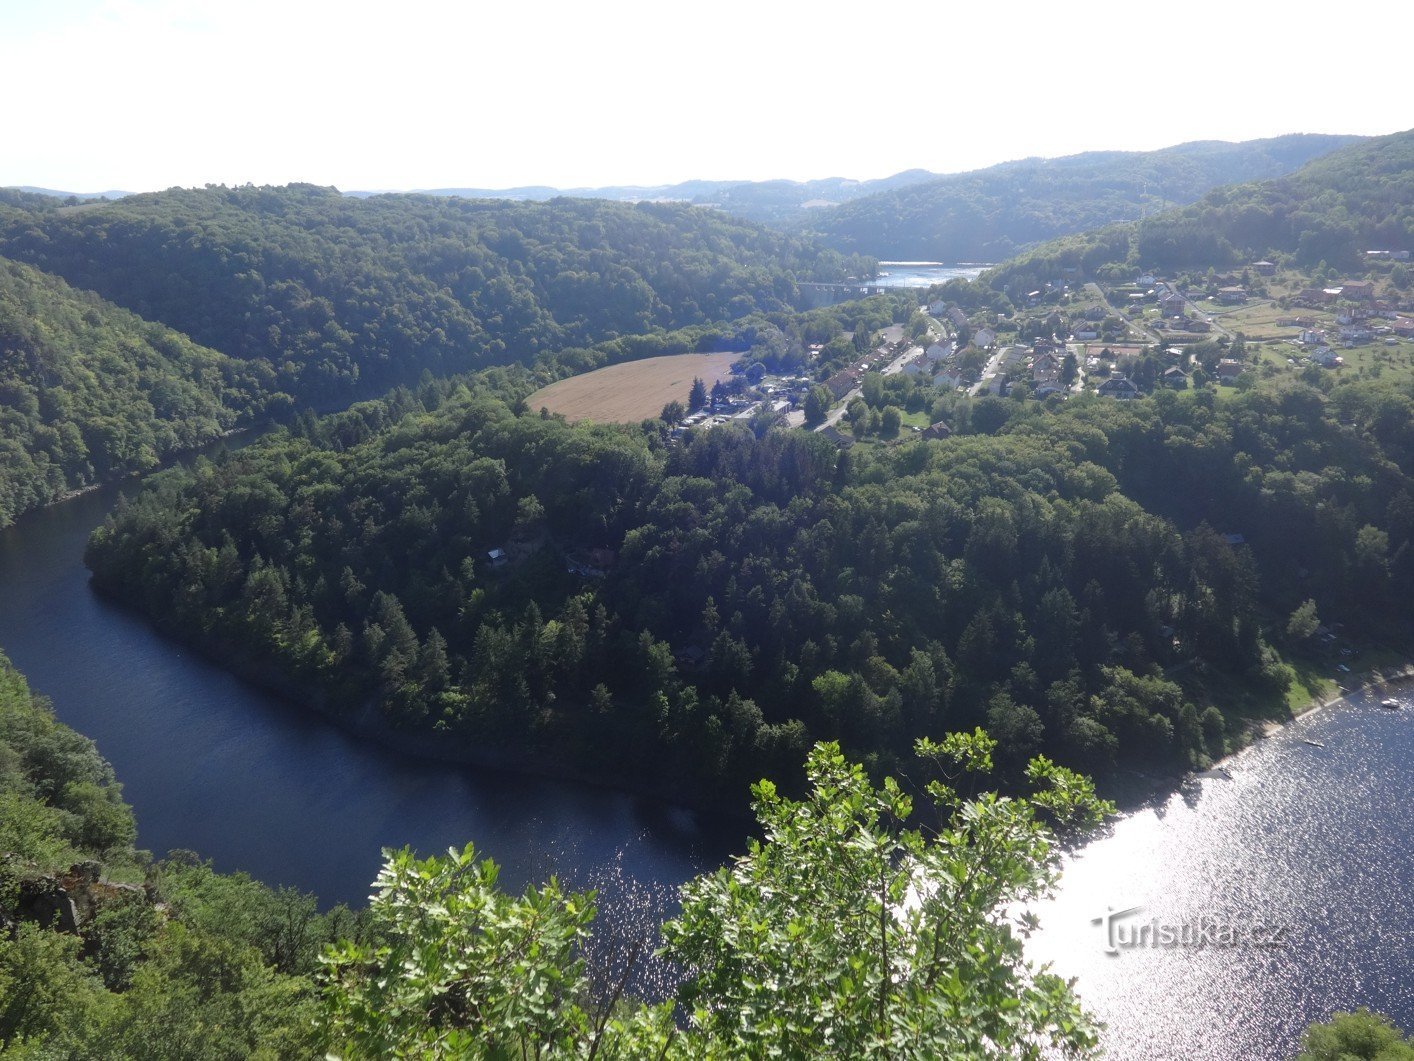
(67, 902)
(45, 902)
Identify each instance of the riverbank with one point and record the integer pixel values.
(1133, 790)
(364, 720)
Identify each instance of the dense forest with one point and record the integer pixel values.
(1330, 211)
(337, 296)
(88, 390)
(991, 214)
(692, 615)
(284, 298)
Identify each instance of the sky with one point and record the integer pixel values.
(146, 94)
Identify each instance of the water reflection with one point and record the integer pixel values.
(1291, 875)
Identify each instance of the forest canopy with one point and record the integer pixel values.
(687, 616)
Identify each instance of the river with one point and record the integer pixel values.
(924, 274)
(212, 764)
(1292, 875)
(1312, 844)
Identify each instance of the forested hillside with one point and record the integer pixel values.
(88, 390)
(990, 214)
(336, 296)
(1332, 210)
(690, 616)
(781, 203)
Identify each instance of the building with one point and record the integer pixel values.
(939, 351)
(938, 430)
(1230, 369)
(1264, 268)
(1172, 305)
(1119, 386)
(1232, 296)
(1357, 290)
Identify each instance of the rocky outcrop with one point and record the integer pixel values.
(66, 902)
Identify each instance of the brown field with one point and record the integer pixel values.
(632, 391)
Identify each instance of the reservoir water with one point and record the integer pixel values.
(1272, 897)
(924, 274)
(1302, 855)
(214, 765)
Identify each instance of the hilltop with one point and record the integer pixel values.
(990, 214)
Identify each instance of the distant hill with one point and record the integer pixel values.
(775, 202)
(991, 214)
(1333, 209)
(89, 390)
(30, 189)
(339, 296)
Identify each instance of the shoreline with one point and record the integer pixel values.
(1136, 790)
(364, 722)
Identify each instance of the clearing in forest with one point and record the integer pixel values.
(632, 390)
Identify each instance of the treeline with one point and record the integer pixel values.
(991, 214)
(692, 615)
(1331, 211)
(88, 390)
(106, 953)
(336, 297)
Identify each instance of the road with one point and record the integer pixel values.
(892, 334)
(1144, 334)
(993, 366)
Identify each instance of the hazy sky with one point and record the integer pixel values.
(144, 94)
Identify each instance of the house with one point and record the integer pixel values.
(939, 351)
(1230, 369)
(984, 338)
(1313, 296)
(949, 378)
(1327, 359)
(938, 430)
(937, 309)
(1356, 335)
(1403, 327)
(1046, 368)
(1172, 305)
(1264, 268)
(958, 318)
(1357, 290)
(1086, 335)
(1175, 377)
(1232, 296)
(1202, 327)
(1312, 337)
(1119, 386)
(497, 558)
(1147, 280)
(690, 657)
